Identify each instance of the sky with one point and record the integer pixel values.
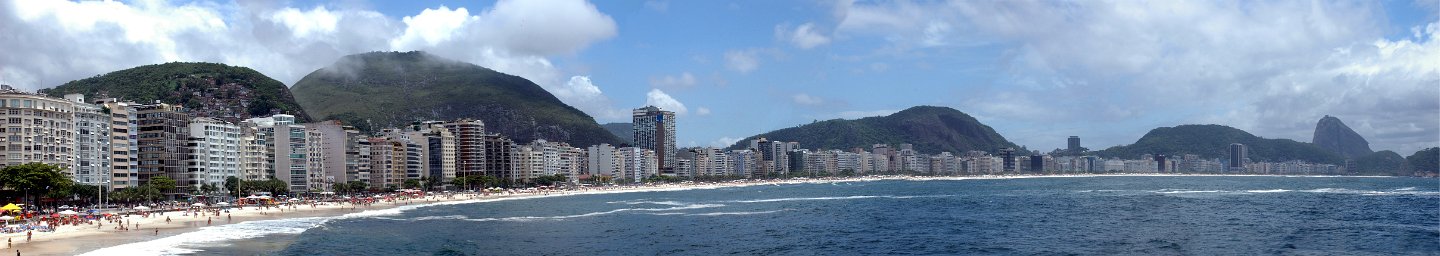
(1036, 71)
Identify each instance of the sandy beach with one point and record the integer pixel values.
(72, 240)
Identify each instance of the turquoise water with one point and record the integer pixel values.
(1069, 215)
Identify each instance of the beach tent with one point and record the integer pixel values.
(10, 207)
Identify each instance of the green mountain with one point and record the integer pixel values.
(207, 89)
(1382, 162)
(625, 131)
(1213, 141)
(1425, 160)
(380, 90)
(929, 129)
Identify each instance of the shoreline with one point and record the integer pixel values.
(72, 240)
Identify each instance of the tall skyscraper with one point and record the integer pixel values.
(163, 129)
(1074, 144)
(1237, 157)
(655, 130)
(1007, 158)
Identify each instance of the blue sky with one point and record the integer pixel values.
(1037, 71)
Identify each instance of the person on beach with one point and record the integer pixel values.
(167, 219)
(157, 232)
(28, 234)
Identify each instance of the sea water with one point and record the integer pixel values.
(1055, 215)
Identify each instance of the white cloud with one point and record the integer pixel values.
(804, 36)
(702, 111)
(658, 98)
(51, 42)
(807, 100)
(724, 142)
(1260, 66)
(658, 5)
(683, 81)
(743, 61)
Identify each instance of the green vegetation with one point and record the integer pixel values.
(378, 90)
(1426, 160)
(208, 89)
(34, 180)
(1384, 162)
(930, 129)
(1213, 141)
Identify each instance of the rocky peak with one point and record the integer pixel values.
(1332, 135)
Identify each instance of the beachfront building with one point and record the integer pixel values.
(92, 142)
(124, 150)
(162, 130)
(470, 142)
(358, 164)
(387, 163)
(602, 161)
(498, 162)
(214, 147)
(334, 141)
(253, 159)
(636, 164)
(38, 129)
(654, 130)
(710, 162)
(293, 153)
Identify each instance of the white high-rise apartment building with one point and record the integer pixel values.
(214, 152)
(293, 152)
(601, 160)
(124, 150)
(92, 142)
(38, 129)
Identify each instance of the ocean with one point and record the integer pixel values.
(1128, 215)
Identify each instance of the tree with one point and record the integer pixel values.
(357, 186)
(230, 183)
(162, 183)
(36, 179)
(412, 183)
(340, 187)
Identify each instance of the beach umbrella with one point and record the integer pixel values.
(142, 207)
(223, 204)
(7, 219)
(294, 199)
(10, 207)
(68, 212)
(197, 205)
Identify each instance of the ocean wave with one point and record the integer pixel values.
(1268, 191)
(735, 213)
(591, 214)
(829, 198)
(214, 235)
(1400, 191)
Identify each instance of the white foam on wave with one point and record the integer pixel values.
(1400, 191)
(591, 214)
(829, 198)
(1268, 191)
(1186, 191)
(735, 213)
(215, 235)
